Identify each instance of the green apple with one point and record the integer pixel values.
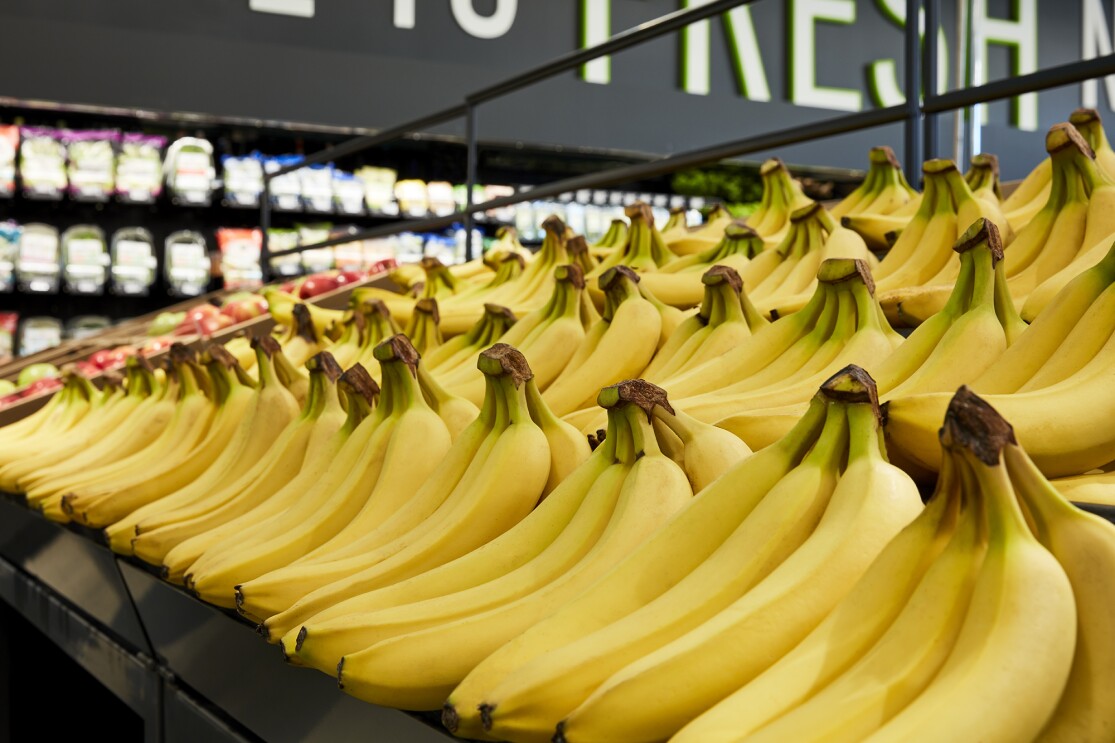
(6, 387)
(33, 373)
(165, 323)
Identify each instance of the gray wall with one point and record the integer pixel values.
(349, 66)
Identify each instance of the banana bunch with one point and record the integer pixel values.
(782, 196)
(783, 279)
(883, 193)
(676, 223)
(411, 654)
(678, 283)
(503, 247)
(997, 561)
(83, 422)
(370, 483)
(783, 363)
(249, 421)
(644, 250)
(743, 572)
(725, 319)
(424, 327)
(1052, 383)
(1076, 218)
(1077, 228)
(684, 240)
(365, 325)
(954, 346)
(297, 458)
(456, 509)
(618, 346)
(615, 237)
(1033, 192)
(922, 255)
(547, 337)
(461, 350)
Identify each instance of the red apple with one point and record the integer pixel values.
(241, 310)
(317, 284)
(87, 368)
(100, 359)
(200, 311)
(349, 277)
(155, 345)
(10, 399)
(48, 384)
(211, 325)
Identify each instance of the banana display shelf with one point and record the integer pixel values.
(190, 670)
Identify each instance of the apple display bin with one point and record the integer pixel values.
(191, 671)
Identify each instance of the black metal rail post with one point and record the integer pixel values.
(929, 60)
(470, 181)
(265, 228)
(913, 155)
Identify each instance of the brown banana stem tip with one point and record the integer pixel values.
(576, 245)
(836, 270)
(430, 263)
(613, 274)
(637, 392)
(375, 307)
(853, 384)
(505, 359)
(675, 210)
(141, 361)
(1084, 116)
(304, 323)
(449, 717)
(398, 348)
(180, 353)
(738, 228)
(559, 733)
(720, 273)
(218, 355)
(805, 212)
(772, 165)
(514, 257)
(554, 225)
(639, 210)
(325, 363)
(885, 154)
(501, 311)
(987, 160)
(970, 422)
(486, 715)
(357, 379)
(112, 378)
(983, 230)
(301, 638)
(267, 344)
(572, 273)
(1065, 135)
(429, 306)
(937, 166)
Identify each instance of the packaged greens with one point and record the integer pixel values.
(348, 193)
(91, 165)
(316, 184)
(85, 259)
(240, 249)
(286, 190)
(42, 163)
(189, 171)
(309, 234)
(139, 168)
(38, 334)
(186, 263)
(133, 261)
(37, 266)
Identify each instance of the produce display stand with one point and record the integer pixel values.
(190, 671)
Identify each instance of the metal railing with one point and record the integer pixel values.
(919, 113)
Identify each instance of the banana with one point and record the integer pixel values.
(781, 196)
(456, 412)
(1084, 545)
(912, 564)
(273, 410)
(698, 531)
(461, 350)
(453, 528)
(869, 502)
(676, 222)
(281, 306)
(678, 283)
(105, 503)
(883, 191)
(987, 689)
(568, 448)
(725, 319)
(325, 468)
(302, 339)
(156, 533)
(1087, 122)
(565, 523)
(74, 403)
(615, 236)
(619, 347)
(644, 250)
(424, 330)
(685, 241)
(707, 452)
(395, 672)
(1029, 196)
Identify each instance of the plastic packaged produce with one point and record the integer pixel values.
(243, 177)
(85, 259)
(9, 144)
(189, 170)
(9, 248)
(139, 168)
(284, 239)
(348, 193)
(316, 185)
(133, 261)
(286, 190)
(42, 163)
(91, 165)
(186, 263)
(38, 334)
(240, 249)
(37, 267)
